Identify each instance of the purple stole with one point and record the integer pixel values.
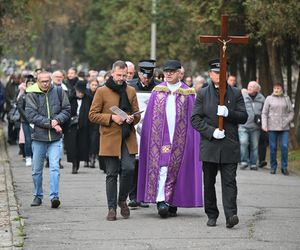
(166, 145)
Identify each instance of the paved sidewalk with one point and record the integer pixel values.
(269, 212)
(11, 225)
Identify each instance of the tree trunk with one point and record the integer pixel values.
(274, 62)
(240, 63)
(297, 110)
(251, 65)
(289, 67)
(264, 76)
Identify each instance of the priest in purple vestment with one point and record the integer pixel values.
(169, 168)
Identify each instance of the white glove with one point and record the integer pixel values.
(222, 111)
(219, 134)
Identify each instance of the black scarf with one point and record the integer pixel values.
(124, 103)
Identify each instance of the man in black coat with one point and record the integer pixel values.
(144, 83)
(219, 149)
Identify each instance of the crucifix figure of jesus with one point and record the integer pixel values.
(223, 40)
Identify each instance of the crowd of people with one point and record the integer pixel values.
(92, 118)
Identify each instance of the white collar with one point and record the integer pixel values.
(174, 87)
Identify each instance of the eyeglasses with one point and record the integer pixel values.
(45, 81)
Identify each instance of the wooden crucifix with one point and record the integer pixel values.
(223, 40)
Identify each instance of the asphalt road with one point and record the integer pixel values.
(268, 208)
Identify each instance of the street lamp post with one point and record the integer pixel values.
(153, 31)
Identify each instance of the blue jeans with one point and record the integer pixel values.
(27, 135)
(283, 137)
(53, 150)
(249, 145)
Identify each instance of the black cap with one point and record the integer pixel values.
(214, 65)
(146, 67)
(80, 86)
(172, 65)
(30, 78)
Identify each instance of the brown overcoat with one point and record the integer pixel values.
(110, 132)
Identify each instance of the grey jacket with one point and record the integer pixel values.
(43, 107)
(277, 113)
(253, 107)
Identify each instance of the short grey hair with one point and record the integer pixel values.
(128, 63)
(44, 73)
(120, 64)
(257, 86)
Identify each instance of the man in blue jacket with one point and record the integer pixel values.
(47, 109)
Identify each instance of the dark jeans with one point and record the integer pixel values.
(133, 190)
(262, 146)
(13, 132)
(27, 135)
(114, 167)
(229, 188)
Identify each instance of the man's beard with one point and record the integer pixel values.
(119, 82)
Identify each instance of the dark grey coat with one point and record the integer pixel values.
(43, 107)
(205, 120)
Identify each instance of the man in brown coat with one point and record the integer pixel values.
(118, 143)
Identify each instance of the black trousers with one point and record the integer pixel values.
(133, 190)
(114, 167)
(229, 188)
(262, 146)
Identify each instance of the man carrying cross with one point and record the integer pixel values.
(219, 149)
(218, 110)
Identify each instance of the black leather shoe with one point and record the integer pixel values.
(212, 222)
(133, 203)
(36, 202)
(285, 171)
(262, 164)
(243, 166)
(55, 202)
(273, 171)
(163, 209)
(172, 211)
(232, 221)
(143, 204)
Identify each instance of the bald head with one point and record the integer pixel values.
(57, 77)
(130, 70)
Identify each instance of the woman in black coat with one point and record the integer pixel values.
(77, 131)
(94, 128)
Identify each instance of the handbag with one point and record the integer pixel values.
(14, 114)
(73, 121)
(257, 120)
(257, 117)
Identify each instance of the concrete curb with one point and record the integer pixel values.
(12, 235)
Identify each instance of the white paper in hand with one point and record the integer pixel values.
(119, 112)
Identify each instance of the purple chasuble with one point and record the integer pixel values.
(183, 186)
